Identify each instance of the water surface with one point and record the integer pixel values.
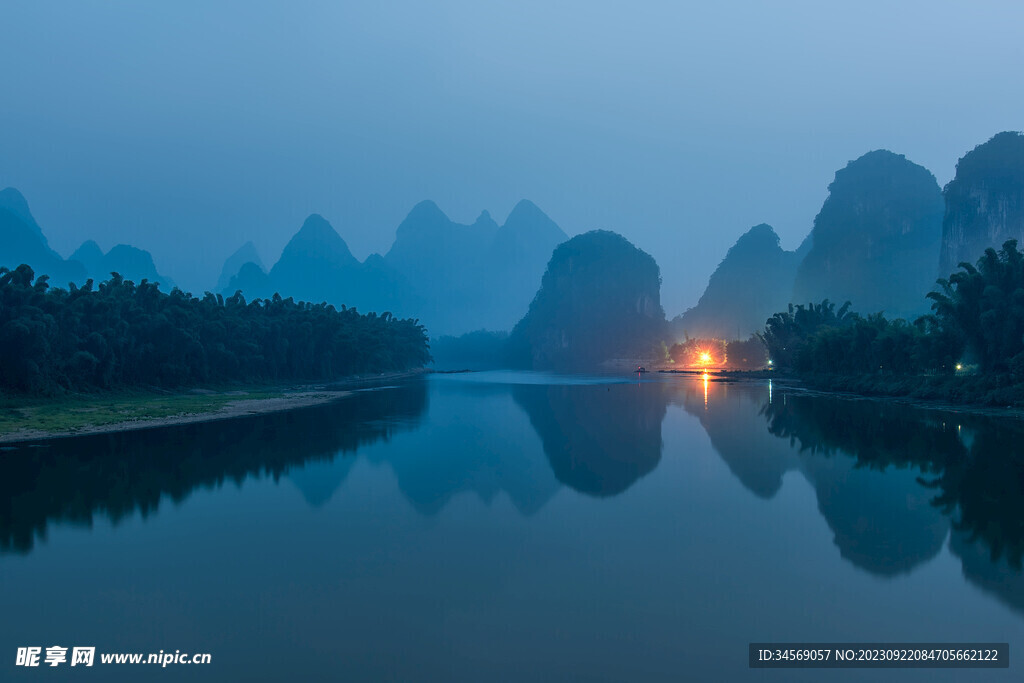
(518, 526)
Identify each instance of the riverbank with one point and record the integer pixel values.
(34, 419)
(981, 392)
(974, 394)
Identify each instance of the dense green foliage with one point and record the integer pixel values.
(984, 307)
(599, 299)
(746, 354)
(787, 334)
(977, 326)
(819, 339)
(123, 334)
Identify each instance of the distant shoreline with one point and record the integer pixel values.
(202, 405)
(213, 406)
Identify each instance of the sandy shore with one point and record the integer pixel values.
(291, 398)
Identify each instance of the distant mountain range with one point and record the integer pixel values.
(453, 277)
(130, 262)
(883, 235)
(316, 265)
(474, 276)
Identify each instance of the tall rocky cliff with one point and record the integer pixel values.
(876, 240)
(753, 282)
(984, 201)
(599, 299)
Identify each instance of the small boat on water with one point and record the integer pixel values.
(640, 369)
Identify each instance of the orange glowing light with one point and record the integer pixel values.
(705, 357)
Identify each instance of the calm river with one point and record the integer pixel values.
(518, 526)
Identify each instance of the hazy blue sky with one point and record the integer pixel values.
(187, 128)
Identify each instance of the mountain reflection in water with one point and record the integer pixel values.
(892, 482)
(600, 439)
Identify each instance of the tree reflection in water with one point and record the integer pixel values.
(72, 480)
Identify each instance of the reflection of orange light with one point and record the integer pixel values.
(705, 390)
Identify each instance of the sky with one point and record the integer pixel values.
(187, 128)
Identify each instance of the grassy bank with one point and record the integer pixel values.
(75, 412)
(29, 418)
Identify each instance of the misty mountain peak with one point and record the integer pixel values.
(485, 222)
(88, 251)
(316, 226)
(14, 201)
(528, 235)
(245, 254)
(876, 237)
(880, 170)
(134, 263)
(526, 210)
(316, 241)
(424, 217)
(91, 256)
(527, 220)
(427, 240)
(753, 281)
(250, 279)
(759, 238)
